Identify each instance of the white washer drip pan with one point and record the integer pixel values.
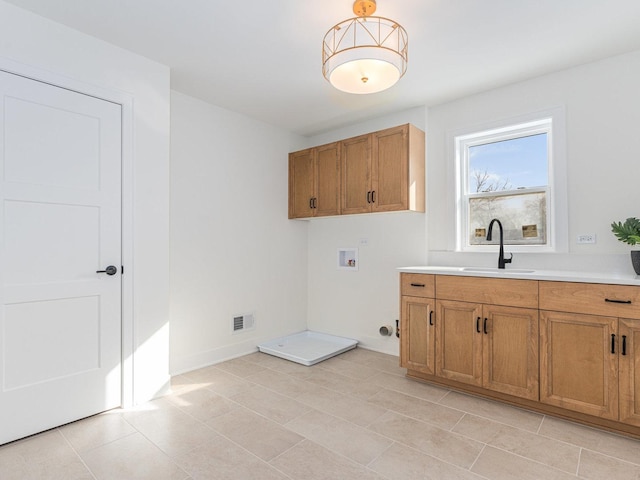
(307, 348)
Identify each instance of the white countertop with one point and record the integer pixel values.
(529, 274)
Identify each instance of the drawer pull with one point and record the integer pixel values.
(617, 301)
(421, 285)
(613, 343)
(478, 324)
(624, 344)
(431, 318)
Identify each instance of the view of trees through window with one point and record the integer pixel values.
(508, 180)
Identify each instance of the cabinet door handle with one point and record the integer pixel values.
(373, 196)
(431, 318)
(478, 324)
(624, 344)
(314, 202)
(369, 197)
(421, 285)
(617, 301)
(484, 326)
(613, 343)
(311, 202)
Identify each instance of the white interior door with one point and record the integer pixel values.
(60, 222)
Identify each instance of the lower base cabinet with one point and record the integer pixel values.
(579, 363)
(490, 346)
(418, 334)
(629, 371)
(573, 356)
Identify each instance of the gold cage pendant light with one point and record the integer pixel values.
(365, 54)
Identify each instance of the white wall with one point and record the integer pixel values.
(34, 45)
(233, 249)
(356, 303)
(603, 124)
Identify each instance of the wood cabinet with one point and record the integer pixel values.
(356, 181)
(629, 371)
(459, 354)
(417, 332)
(487, 345)
(560, 348)
(381, 171)
(397, 169)
(578, 370)
(384, 171)
(588, 363)
(314, 182)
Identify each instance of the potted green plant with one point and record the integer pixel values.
(629, 232)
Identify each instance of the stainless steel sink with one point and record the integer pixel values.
(496, 270)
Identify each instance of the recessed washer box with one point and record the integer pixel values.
(307, 348)
(348, 259)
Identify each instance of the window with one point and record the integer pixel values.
(507, 173)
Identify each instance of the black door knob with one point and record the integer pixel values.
(110, 270)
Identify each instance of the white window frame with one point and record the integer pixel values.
(552, 123)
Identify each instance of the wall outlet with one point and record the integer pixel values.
(586, 238)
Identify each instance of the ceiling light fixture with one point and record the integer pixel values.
(365, 54)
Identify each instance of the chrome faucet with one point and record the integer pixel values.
(501, 259)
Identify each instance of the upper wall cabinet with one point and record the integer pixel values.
(384, 171)
(379, 172)
(314, 182)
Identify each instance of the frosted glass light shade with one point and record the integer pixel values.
(364, 54)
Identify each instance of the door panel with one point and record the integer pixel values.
(418, 334)
(390, 169)
(629, 371)
(578, 370)
(42, 245)
(60, 222)
(510, 351)
(27, 329)
(459, 343)
(301, 188)
(71, 137)
(328, 180)
(356, 175)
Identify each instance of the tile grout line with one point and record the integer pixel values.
(77, 453)
(484, 446)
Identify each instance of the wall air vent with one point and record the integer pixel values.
(242, 323)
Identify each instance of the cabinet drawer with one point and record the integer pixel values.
(591, 298)
(417, 285)
(495, 291)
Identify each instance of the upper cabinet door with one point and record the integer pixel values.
(356, 175)
(301, 183)
(327, 180)
(390, 170)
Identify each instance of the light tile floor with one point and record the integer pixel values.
(354, 416)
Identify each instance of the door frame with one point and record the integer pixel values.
(126, 102)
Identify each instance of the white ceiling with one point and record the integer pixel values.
(262, 58)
